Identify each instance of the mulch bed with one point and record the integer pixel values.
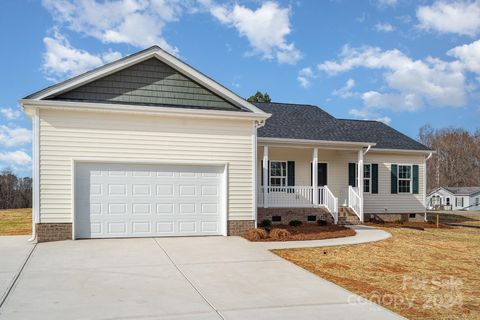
(311, 232)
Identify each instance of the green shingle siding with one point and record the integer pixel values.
(149, 82)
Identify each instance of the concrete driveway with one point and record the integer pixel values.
(174, 278)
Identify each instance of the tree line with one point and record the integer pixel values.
(15, 192)
(456, 162)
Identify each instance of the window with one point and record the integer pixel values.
(367, 177)
(447, 201)
(477, 202)
(459, 201)
(278, 173)
(436, 200)
(404, 178)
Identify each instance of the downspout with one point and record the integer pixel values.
(368, 149)
(35, 173)
(425, 218)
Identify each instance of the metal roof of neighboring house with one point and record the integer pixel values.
(299, 121)
(462, 190)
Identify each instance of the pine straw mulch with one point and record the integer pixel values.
(311, 232)
(15, 222)
(431, 274)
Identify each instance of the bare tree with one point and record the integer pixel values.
(457, 161)
(15, 192)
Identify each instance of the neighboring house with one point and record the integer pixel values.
(454, 198)
(149, 146)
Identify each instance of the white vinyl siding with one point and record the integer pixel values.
(66, 135)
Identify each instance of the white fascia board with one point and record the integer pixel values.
(125, 108)
(328, 143)
(424, 152)
(136, 58)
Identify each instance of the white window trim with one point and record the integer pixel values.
(411, 178)
(270, 174)
(369, 179)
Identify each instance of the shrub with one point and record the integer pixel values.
(255, 234)
(279, 234)
(266, 224)
(322, 222)
(295, 223)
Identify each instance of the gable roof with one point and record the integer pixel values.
(462, 190)
(300, 121)
(156, 52)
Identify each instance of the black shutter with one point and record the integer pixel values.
(393, 185)
(322, 174)
(374, 174)
(261, 178)
(415, 178)
(351, 174)
(291, 173)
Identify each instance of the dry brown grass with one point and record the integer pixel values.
(255, 234)
(431, 274)
(15, 222)
(279, 234)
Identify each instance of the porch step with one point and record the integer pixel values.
(346, 216)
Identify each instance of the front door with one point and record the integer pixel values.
(322, 174)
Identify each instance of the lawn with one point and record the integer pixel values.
(431, 274)
(15, 222)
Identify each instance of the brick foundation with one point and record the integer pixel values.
(289, 214)
(53, 231)
(394, 217)
(238, 227)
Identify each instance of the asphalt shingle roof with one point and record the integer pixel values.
(298, 121)
(463, 190)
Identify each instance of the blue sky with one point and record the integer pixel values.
(407, 63)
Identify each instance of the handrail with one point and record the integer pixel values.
(355, 202)
(331, 202)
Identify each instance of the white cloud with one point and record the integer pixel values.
(15, 159)
(10, 137)
(468, 55)
(62, 60)
(305, 76)
(366, 114)
(383, 27)
(10, 113)
(412, 83)
(344, 92)
(265, 28)
(460, 17)
(135, 22)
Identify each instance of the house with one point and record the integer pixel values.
(149, 146)
(454, 198)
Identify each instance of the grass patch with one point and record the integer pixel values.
(431, 274)
(15, 222)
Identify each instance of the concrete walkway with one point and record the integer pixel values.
(364, 234)
(14, 251)
(175, 278)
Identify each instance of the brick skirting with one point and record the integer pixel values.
(289, 214)
(238, 227)
(394, 217)
(53, 231)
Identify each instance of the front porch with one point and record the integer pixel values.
(304, 176)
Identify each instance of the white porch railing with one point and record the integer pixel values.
(330, 201)
(298, 197)
(355, 202)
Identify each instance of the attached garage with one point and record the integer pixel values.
(144, 200)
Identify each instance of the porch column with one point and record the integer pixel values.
(265, 177)
(315, 176)
(360, 181)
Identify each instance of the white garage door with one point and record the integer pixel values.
(127, 200)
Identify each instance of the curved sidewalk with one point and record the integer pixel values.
(364, 235)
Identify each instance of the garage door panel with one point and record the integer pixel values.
(120, 200)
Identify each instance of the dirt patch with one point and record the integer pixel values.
(307, 232)
(431, 274)
(15, 222)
